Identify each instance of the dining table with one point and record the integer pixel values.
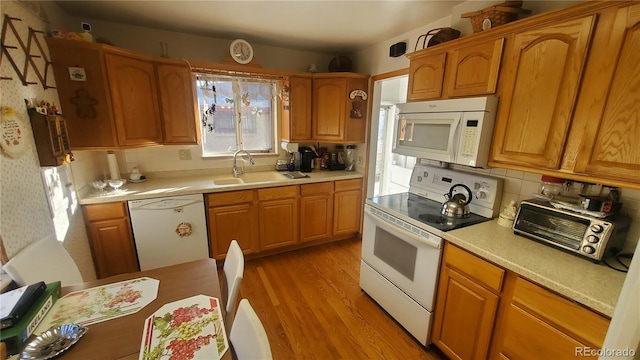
(120, 338)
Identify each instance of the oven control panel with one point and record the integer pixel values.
(434, 182)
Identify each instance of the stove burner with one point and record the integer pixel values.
(435, 219)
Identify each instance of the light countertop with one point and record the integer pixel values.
(156, 187)
(594, 285)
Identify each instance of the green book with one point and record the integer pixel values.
(15, 336)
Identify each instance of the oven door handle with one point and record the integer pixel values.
(432, 240)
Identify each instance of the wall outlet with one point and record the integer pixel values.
(359, 160)
(184, 154)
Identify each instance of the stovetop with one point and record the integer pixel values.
(422, 210)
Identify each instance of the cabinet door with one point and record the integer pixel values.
(112, 247)
(86, 105)
(329, 108)
(135, 100)
(542, 72)
(426, 75)
(356, 109)
(475, 68)
(464, 316)
(278, 223)
(298, 126)
(347, 212)
(609, 147)
(316, 213)
(177, 104)
(229, 222)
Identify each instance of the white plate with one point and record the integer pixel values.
(138, 181)
(53, 342)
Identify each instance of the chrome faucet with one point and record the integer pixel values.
(240, 170)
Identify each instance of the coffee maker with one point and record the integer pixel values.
(306, 159)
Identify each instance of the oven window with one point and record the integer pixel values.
(396, 253)
(553, 226)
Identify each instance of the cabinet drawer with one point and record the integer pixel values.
(104, 211)
(278, 192)
(471, 265)
(318, 188)
(353, 184)
(565, 314)
(230, 197)
(527, 337)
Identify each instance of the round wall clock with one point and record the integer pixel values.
(241, 51)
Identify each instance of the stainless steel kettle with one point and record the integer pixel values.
(456, 206)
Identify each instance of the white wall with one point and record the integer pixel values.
(24, 211)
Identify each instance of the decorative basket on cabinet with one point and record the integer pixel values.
(493, 16)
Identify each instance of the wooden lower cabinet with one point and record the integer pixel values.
(110, 239)
(483, 311)
(537, 323)
(347, 210)
(232, 215)
(316, 211)
(466, 306)
(283, 217)
(278, 214)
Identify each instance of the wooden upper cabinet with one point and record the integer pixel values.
(85, 101)
(609, 146)
(177, 105)
(329, 108)
(475, 68)
(426, 77)
(539, 88)
(134, 94)
(114, 98)
(340, 105)
(297, 126)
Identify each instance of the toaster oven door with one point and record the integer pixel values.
(558, 228)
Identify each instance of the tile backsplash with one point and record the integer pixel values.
(519, 185)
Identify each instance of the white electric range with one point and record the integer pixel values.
(402, 244)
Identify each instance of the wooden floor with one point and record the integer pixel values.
(312, 307)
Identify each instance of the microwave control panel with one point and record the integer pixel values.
(469, 138)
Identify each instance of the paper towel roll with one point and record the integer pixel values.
(114, 171)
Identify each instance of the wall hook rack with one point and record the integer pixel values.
(29, 62)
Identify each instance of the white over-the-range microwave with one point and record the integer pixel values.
(457, 131)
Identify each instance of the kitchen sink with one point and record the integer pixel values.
(250, 177)
(262, 176)
(228, 181)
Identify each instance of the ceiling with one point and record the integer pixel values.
(322, 26)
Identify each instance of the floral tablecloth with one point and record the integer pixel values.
(94, 305)
(190, 328)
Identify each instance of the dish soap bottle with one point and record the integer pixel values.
(508, 214)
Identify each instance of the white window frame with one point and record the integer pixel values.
(276, 109)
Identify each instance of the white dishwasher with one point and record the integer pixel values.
(169, 230)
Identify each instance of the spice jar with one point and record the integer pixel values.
(551, 186)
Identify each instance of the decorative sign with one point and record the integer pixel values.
(190, 328)
(12, 133)
(77, 74)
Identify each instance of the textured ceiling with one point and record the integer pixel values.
(324, 26)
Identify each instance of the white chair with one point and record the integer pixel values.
(247, 335)
(43, 260)
(233, 269)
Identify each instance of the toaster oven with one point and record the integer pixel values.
(583, 235)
